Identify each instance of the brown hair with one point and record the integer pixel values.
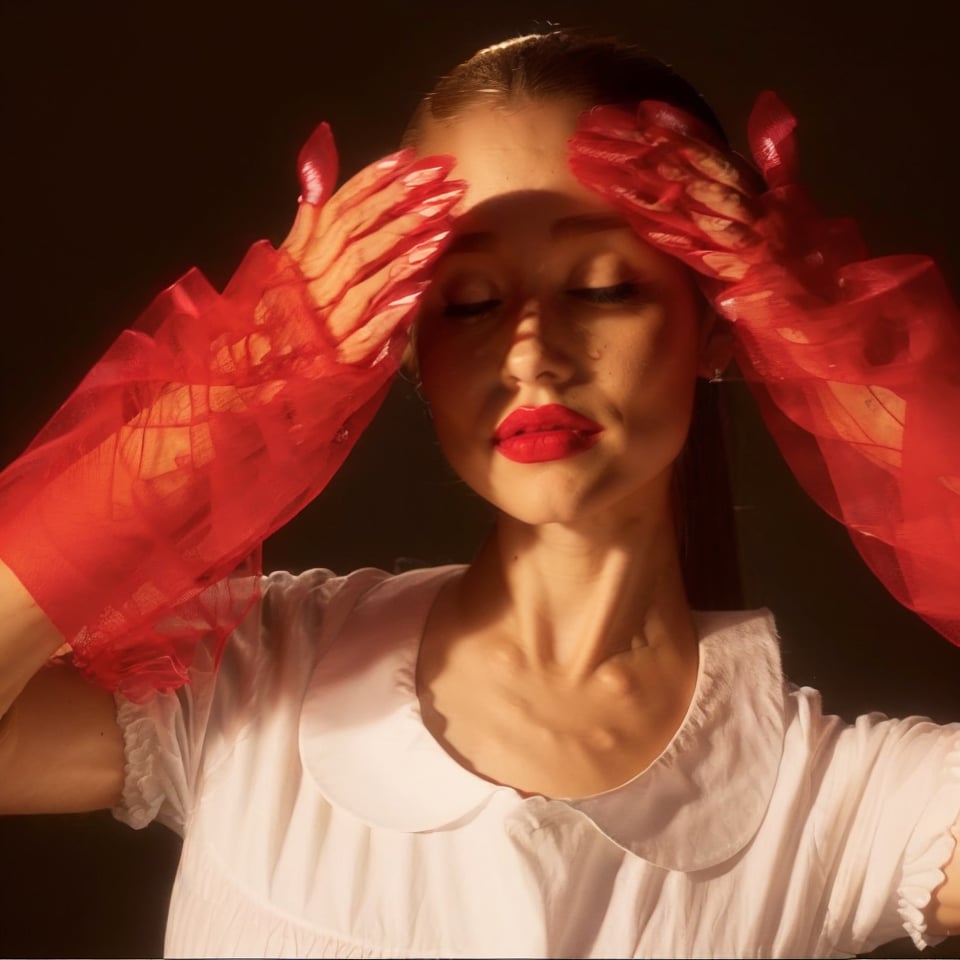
(604, 70)
(564, 63)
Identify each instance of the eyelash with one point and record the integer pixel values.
(618, 293)
(467, 311)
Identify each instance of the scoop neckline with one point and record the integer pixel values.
(408, 677)
(364, 745)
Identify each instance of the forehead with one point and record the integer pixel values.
(513, 148)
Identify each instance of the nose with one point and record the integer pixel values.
(533, 355)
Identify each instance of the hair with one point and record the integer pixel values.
(606, 71)
(563, 63)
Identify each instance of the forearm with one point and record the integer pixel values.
(133, 517)
(855, 362)
(27, 638)
(61, 750)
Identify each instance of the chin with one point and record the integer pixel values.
(540, 515)
(592, 501)
(550, 503)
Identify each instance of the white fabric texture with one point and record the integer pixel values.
(320, 817)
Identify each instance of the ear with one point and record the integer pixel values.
(715, 349)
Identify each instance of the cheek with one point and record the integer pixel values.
(454, 382)
(443, 362)
(651, 377)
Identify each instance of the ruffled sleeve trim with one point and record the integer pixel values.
(163, 740)
(929, 851)
(143, 791)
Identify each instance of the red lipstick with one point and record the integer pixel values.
(550, 432)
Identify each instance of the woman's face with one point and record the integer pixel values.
(558, 351)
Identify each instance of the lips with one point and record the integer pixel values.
(550, 432)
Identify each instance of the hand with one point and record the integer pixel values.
(366, 249)
(691, 196)
(363, 253)
(217, 419)
(855, 363)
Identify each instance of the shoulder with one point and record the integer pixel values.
(308, 606)
(761, 731)
(834, 747)
(301, 617)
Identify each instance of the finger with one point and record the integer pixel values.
(610, 121)
(394, 240)
(627, 186)
(317, 164)
(417, 188)
(317, 172)
(362, 299)
(620, 130)
(668, 196)
(726, 168)
(725, 233)
(353, 309)
(722, 201)
(677, 124)
(371, 178)
(658, 175)
(640, 128)
(677, 228)
(727, 266)
(617, 142)
(389, 324)
(350, 205)
(303, 228)
(730, 195)
(610, 149)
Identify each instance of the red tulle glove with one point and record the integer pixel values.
(135, 518)
(855, 362)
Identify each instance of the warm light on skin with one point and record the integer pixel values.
(579, 582)
(534, 246)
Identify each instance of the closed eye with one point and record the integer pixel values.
(618, 293)
(467, 311)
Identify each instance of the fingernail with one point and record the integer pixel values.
(438, 204)
(406, 294)
(394, 160)
(428, 170)
(317, 166)
(426, 248)
(399, 293)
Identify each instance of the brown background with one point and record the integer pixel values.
(141, 139)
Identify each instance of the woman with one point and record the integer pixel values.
(545, 752)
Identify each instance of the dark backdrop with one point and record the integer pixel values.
(141, 139)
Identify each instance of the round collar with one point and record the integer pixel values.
(364, 744)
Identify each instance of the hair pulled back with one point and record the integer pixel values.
(560, 64)
(570, 64)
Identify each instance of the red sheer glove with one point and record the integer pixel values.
(218, 418)
(855, 362)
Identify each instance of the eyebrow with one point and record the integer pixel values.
(577, 224)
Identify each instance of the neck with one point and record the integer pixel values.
(573, 601)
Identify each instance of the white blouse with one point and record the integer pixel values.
(320, 818)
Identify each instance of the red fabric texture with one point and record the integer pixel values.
(135, 517)
(855, 362)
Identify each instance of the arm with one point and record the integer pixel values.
(60, 748)
(854, 362)
(944, 911)
(198, 434)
